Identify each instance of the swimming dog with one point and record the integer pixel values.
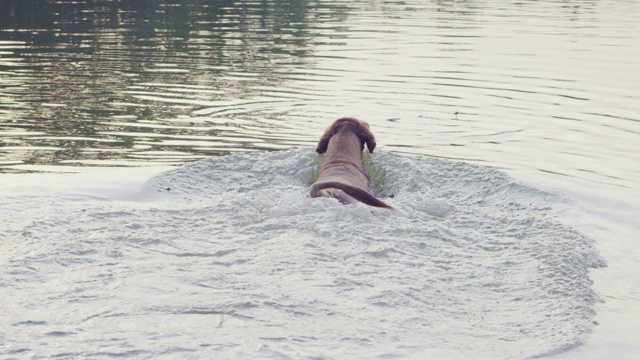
(343, 175)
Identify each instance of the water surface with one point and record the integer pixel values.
(228, 258)
(534, 103)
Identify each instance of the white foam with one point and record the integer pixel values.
(227, 257)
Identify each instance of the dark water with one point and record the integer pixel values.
(106, 83)
(111, 81)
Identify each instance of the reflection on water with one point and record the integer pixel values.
(548, 87)
(112, 80)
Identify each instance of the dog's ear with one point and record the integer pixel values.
(371, 144)
(366, 136)
(323, 143)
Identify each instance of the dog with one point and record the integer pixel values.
(343, 175)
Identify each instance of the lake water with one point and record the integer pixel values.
(155, 158)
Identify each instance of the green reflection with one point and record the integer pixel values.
(88, 69)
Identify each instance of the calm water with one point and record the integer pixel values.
(545, 93)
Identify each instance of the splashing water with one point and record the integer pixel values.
(227, 257)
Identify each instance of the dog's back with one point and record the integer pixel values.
(343, 175)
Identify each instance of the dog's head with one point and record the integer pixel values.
(360, 128)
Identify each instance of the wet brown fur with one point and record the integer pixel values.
(343, 175)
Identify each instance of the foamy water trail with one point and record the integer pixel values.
(227, 257)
